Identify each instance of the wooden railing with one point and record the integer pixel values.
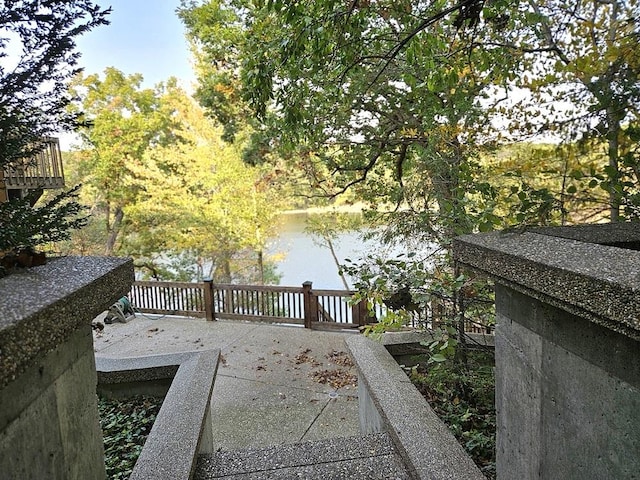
(172, 298)
(297, 305)
(258, 302)
(277, 304)
(42, 171)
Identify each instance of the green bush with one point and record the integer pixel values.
(463, 397)
(125, 427)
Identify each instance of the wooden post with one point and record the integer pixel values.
(437, 313)
(310, 305)
(209, 307)
(360, 313)
(3, 188)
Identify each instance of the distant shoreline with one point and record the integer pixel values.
(355, 208)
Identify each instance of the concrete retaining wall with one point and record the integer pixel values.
(568, 394)
(183, 428)
(389, 402)
(567, 349)
(49, 424)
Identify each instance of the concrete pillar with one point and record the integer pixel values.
(567, 348)
(49, 425)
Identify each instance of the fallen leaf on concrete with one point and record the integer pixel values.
(340, 358)
(304, 357)
(334, 378)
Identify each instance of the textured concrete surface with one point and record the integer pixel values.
(49, 424)
(598, 282)
(428, 448)
(364, 457)
(567, 393)
(48, 408)
(567, 338)
(183, 427)
(619, 234)
(268, 389)
(41, 307)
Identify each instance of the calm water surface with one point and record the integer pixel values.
(305, 260)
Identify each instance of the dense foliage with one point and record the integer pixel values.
(123, 122)
(413, 107)
(27, 227)
(164, 188)
(464, 399)
(37, 49)
(395, 100)
(37, 46)
(125, 427)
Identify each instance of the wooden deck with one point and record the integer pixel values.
(42, 171)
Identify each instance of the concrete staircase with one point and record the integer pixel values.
(362, 457)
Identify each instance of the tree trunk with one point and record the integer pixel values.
(459, 309)
(223, 270)
(114, 230)
(337, 262)
(261, 266)
(613, 149)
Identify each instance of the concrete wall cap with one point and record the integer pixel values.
(595, 281)
(42, 306)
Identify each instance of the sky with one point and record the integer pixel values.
(144, 36)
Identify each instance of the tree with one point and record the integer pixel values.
(214, 210)
(190, 209)
(37, 43)
(399, 127)
(326, 228)
(581, 64)
(394, 100)
(371, 103)
(124, 122)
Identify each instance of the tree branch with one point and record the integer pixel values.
(427, 22)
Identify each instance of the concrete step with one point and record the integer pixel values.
(363, 457)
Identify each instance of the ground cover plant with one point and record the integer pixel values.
(463, 397)
(125, 426)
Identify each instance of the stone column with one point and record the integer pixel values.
(567, 348)
(49, 425)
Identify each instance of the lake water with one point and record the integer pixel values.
(305, 260)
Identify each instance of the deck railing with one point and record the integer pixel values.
(172, 298)
(42, 171)
(258, 302)
(297, 305)
(278, 304)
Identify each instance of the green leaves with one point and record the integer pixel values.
(23, 226)
(464, 400)
(125, 427)
(124, 123)
(33, 98)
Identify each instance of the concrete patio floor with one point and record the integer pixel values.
(275, 384)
